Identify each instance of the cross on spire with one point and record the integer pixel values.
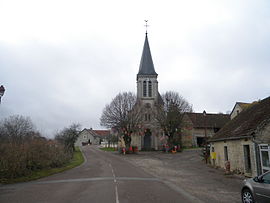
(146, 25)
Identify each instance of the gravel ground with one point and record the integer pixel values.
(188, 171)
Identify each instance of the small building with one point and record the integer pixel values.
(197, 126)
(244, 142)
(104, 136)
(238, 107)
(90, 136)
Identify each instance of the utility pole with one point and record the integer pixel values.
(205, 137)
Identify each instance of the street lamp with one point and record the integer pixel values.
(205, 136)
(2, 91)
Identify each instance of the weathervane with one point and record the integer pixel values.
(146, 25)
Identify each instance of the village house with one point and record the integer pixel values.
(244, 142)
(238, 107)
(196, 127)
(90, 136)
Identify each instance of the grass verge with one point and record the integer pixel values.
(75, 161)
(109, 149)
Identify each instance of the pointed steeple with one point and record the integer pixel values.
(146, 65)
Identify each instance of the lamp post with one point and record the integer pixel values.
(205, 136)
(2, 91)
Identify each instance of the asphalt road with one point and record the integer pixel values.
(104, 177)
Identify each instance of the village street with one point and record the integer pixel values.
(187, 171)
(146, 177)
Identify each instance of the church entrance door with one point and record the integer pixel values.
(147, 140)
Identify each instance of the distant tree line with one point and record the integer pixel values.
(24, 150)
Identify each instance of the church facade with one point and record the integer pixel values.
(149, 136)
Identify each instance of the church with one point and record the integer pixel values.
(150, 136)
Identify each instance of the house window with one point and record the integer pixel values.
(150, 89)
(84, 137)
(226, 153)
(265, 159)
(144, 88)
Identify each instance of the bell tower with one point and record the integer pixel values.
(147, 84)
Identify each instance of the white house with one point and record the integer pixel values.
(87, 136)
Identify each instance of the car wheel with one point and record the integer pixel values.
(247, 196)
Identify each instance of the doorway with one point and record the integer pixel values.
(147, 140)
(247, 159)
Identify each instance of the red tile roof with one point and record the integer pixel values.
(102, 133)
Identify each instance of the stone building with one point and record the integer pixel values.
(196, 127)
(148, 98)
(90, 136)
(244, 141)
(238, 107)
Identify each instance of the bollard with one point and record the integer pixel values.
(227, 167)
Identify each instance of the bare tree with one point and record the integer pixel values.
(68, 137)
(122, 114)
(170, 115)
(15, 129)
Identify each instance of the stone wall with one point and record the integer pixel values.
(264, 134)
(189, 136)
(235, 155)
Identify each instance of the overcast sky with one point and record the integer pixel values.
(62, 61)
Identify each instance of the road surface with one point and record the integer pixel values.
(103, 177)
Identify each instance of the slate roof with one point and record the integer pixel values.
(247, 122)
(146, 64)
(210, 120)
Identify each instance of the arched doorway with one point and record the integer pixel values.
(147, 140)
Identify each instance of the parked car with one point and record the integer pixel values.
(256, 189)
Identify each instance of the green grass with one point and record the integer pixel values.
(75, 161)
(109, 149)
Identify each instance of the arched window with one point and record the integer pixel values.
(144, 88)
(150, 89)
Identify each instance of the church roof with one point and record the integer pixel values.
(146, 65)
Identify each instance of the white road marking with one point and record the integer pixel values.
(116, 194)
(116, 189)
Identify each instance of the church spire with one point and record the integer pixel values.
(146, 65)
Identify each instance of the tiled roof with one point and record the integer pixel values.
(247, 122)
(102, 133)
(210, 120)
